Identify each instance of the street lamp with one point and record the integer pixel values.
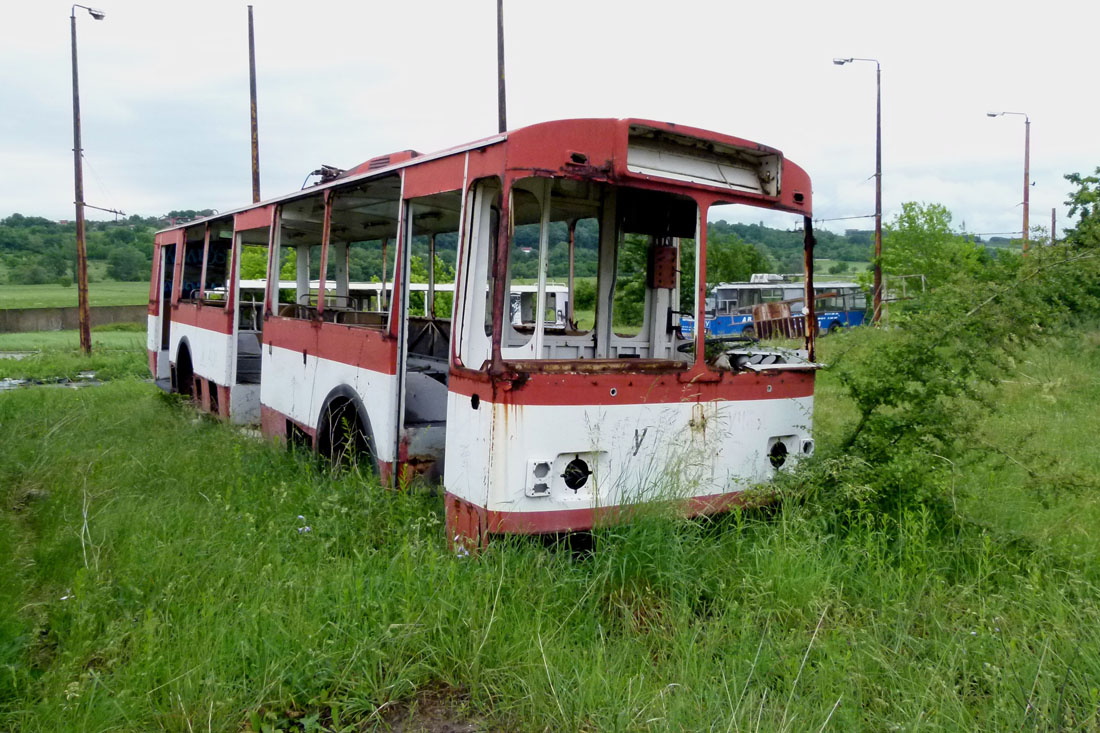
(78, 171)
(877, 309)
(1027, 162)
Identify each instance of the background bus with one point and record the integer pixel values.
(839, 304)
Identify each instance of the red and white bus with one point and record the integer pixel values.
(536, 422)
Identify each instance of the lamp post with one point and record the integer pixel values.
(876, 313)
(1027, 164)
(78, 171)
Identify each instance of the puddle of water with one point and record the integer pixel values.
(84, 379)
(16, 354)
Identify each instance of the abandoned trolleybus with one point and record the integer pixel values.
(539, 418)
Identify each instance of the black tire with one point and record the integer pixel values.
(748, 332)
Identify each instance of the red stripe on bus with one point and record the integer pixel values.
(436, 176)
(209, 318)
(632, 389)
(573, 520)
(256, 218)
(360, 347)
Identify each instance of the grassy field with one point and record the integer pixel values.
(57, 296)
(821, 269)
(118, 351)
(164, 571)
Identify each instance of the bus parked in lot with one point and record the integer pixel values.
(534, 423)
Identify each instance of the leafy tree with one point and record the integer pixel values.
(920, 241)
(127, 265)
(418, 273)
(1085, 201)
(254, 263)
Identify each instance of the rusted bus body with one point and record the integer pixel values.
(535, 425)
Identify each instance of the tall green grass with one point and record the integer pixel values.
(158, 574)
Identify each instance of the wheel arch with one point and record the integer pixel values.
(345, 393)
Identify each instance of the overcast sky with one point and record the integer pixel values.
(164, 93)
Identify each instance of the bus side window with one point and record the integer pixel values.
(363, 251)
(300, 233)
(194, 239)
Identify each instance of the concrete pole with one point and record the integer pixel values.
(1027, 175)
(877, 313)
(502, 118)
(252, 98)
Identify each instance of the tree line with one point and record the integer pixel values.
(35, 250)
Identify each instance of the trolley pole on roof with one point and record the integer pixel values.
(78, 174)
(502, 119)
(252, 91)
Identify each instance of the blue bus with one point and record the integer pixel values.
(840, 304)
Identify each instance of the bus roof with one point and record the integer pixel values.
(619, 150)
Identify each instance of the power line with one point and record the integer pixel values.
(845, 218)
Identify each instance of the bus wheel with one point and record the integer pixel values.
(341, 437)
(835, 328)
(748, 332)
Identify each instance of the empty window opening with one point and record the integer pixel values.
(433, 236)
(219, 250)
(300, 225)
(362, 253)
(168, 273)
(252, 281)
(593, 271)
(191, 277)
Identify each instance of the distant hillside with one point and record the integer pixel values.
(784, 246)
(34, 250)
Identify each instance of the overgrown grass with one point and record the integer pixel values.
(117, 351)
(160, 576)
(108, 292)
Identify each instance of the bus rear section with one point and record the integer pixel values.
(554, 428)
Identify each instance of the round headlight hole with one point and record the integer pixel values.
(778, 454)
(576, 473)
